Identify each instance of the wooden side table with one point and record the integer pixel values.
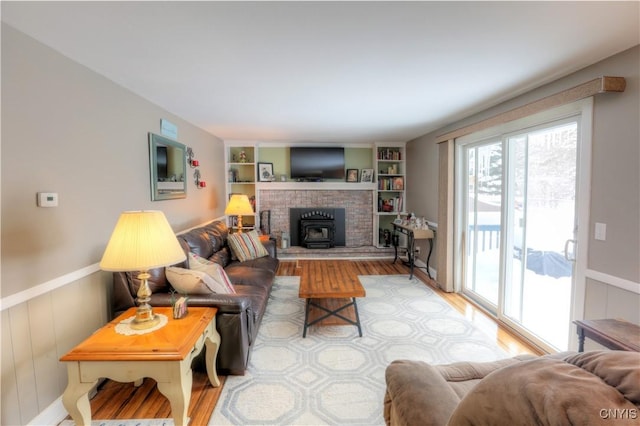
(611, 333)
(164, 355)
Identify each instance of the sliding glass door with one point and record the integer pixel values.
(517, 227)
(483, 216)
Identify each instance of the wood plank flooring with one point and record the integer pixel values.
(124, 401)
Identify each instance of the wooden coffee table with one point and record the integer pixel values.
(164, 355)
(331, 288)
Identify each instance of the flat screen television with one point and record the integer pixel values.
(317, 163)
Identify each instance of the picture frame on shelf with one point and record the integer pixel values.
(352, 175)
(366, 175)
(265, 172)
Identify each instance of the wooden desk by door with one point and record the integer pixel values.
(413, 235)
(611, 333)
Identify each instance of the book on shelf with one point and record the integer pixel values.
(390, 205)
(395, 183)
(389, 154)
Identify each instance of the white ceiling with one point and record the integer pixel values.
(329, 71)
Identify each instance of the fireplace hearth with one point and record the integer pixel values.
(317, 228)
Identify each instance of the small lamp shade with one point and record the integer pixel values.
(239, 205)
(141, 240)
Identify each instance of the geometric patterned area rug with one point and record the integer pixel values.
(333, 376)
(131, 422)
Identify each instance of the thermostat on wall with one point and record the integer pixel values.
(47, 199)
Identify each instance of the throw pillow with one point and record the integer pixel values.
(194, 258)
(214, 270)
(247, 245)
(189, 281)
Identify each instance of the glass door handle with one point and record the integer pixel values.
(566, 250)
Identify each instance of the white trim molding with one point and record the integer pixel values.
(46, 287)
(622, 283)
(56, 283)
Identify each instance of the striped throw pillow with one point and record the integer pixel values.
(247, 245)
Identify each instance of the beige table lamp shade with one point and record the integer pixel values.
(141, 240)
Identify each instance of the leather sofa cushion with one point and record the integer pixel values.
(218, 233)
(221, 257)
(240, 273)
(199, 242)
(267, 262)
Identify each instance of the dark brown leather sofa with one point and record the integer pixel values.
(239, 315)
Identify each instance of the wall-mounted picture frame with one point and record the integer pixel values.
(366, 175)
(352, 175)
(265, 172)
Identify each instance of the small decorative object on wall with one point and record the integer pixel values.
(265, 172)
(367, 175)
(192, 161)
(196, 178)
(352, 175)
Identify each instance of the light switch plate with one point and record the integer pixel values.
(601, 231)
(47, 199)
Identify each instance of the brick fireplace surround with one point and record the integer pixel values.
(358, 205)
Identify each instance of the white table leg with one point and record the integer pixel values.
(76, 396)
(212, 346)
(178, 392)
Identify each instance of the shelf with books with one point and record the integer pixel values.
(390, 202)
(389, 161)
(390, 183)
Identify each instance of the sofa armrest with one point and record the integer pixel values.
(417, 394)
(465, 370)
(271, 247)
(226, 303)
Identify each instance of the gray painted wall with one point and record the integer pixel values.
(615, 174)
(68, 130)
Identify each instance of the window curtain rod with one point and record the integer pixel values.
(603, 84)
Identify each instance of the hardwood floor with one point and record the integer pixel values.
(124, 401)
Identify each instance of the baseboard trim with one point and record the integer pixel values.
(52, 415)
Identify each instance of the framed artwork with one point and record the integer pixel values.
(265, 172)
(352, 175)
(367, 175)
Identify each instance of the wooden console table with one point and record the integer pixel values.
(165, 355)
(611, 333)
(412, 235)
